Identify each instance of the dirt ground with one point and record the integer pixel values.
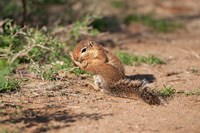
(71, 106)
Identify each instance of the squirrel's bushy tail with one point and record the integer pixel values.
(127, 88)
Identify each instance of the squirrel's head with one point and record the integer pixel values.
(87, 50)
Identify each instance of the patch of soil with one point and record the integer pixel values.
(73, 106)
(70, 106)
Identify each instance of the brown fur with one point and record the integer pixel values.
(109, 74)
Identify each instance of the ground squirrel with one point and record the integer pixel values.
(109, 73)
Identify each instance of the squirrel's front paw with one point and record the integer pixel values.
(71, 56)
(81, 65)
(72, 59)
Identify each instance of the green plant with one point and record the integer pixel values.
(194, 92)
(9, 8)
(49, 71)
(151, 59)
(167, 91)
(119, 3)
(6, 130)
(104, 24)
(6, 83)
(82, 27)
(9, 85)
(126, 58)
(9, 38)
(33, 46)
(26, 44)
(129, 59)
(78, 71)
(76, 31)
(159, 25)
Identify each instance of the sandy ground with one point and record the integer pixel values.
(71, 106)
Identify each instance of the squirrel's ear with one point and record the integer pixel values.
(91, 43)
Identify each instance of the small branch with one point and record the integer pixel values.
(4, 50)
(24, 4)
(21, 53)
(3, 55)
(41, 46)
(24, 52)
(3, 22)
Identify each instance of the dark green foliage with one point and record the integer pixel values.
(103, 24)
(6, 83)
(25, 44)
(27, 11)
(9, 8)
(50, 1)
(9, 38)
(119, 3)
(9, 85)
(29, 45)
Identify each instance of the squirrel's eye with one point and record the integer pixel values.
(83, 50)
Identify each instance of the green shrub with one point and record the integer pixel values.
(167, 91)
(6, 83)
(128, 59)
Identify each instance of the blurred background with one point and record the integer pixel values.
(40, 90)
(30, 29)
(130, 19)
